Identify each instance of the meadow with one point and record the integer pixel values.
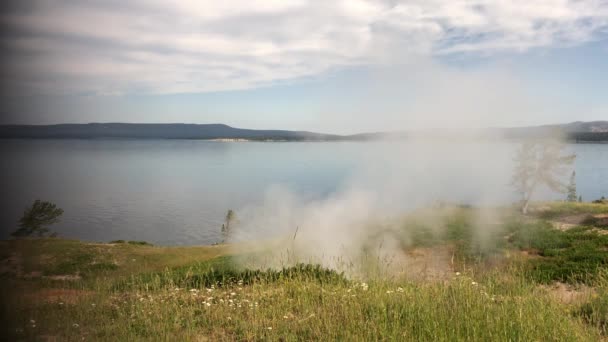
(542, 277)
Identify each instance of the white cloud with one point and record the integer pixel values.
(196, 46)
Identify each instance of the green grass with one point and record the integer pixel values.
(311, 304)
(573, 256)
(224, 272)
(135, 291)
(595, 312)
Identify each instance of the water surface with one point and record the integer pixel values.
(177, 191)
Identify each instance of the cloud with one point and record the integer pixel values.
(113, 47)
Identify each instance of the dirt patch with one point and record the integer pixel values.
(33, 274)
(12, 265)
(599, 231)
(601, 220)
(563, 226)
(569, 294)
(568, 222)
(529, 253)
(423, 264)
(573, 219)
(46, 259)
(66, 296)
(98, 244)
(65, 277)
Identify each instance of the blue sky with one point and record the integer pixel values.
(339, 67)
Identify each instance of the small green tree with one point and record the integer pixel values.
(226, 226)
(36, 218)
(539, 163)
(572, 188)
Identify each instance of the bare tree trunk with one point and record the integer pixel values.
(524, 209)
(528, 197)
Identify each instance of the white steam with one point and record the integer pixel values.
(367, 211)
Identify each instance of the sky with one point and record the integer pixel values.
(328, 66)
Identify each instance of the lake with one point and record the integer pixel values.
(176, 192)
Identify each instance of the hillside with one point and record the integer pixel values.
(596, 131)
(153, 131)
(576, 131)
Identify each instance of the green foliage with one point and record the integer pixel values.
(36, 218)
(602, 200)
(573, 256)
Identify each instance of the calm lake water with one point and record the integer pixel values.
(177, 191)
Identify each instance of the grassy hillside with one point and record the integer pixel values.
(543, 278)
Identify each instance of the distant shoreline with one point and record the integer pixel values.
(578, 132)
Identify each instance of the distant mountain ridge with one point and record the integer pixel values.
(577, 131)
(153, 131)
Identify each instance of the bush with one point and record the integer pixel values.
(131, 242)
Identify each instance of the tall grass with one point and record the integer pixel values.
(303, 303)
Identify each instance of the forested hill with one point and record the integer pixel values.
(596, 131)
(154, 131)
